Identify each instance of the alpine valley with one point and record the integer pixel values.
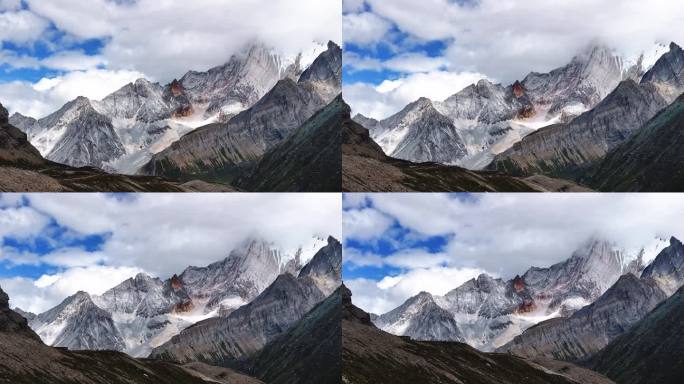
(201, 131)
(209, 324)
(602, 121)
(602, 308)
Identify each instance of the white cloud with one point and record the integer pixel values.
(353, 5)
(21, 222)
(20, 27)
(49, 290)
(496, 37)
(391, 96)
(10, 5)
(507, 233)
(164, 39)
(73, 61)
(164, 234)
(384, 295)
(74, 257)
(364, 28)
(49, 94)
(365, 224)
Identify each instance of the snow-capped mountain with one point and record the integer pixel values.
(485, 119)
(249, 328)
(587, 331)
(77, 323)
(488, 312)
(216, 151)
(144, 312)
(123, 130)
(567, 150)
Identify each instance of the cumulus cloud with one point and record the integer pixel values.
(364, 28)
(163, 234)
(49, 290)
(20, 27)
(166, 39)
(159, 234)
(505, 234)
(50, 93)
(382, 296)
(497, 37)
(502, 40)
(389, 97)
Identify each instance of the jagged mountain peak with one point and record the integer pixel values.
(667, 269)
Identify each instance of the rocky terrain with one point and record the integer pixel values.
(309, 352)
(567, 150)
(308, 160)
(25, 359)
(487, 312)
(144, 312)
(365, 168)
(648, 161)
(372, 356)
(650, 351)
(23, 169)
(484, 119)
(630, 299)
(122, 131)
(245, 331)
(216, 151)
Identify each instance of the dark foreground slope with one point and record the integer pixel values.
(309, 352)
(365, 168)
(651, 160)
(23, 169)
(372, 356)
(25, 359)
(308, 160)
(651, 351)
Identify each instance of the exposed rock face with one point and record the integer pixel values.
(566, 150)
(365, 168)
(373, 356)
(668, 268)
(249, 328)
(591, 328)
(487, 313)
(127, 127)
(14, 145)
(77, 323)
(24, 359)
(415, 132)
(309, 352)
(484, 119)
(308, 160)
(144, 312)
(85, 136)
(649, 160)
(650, 351)
(668, 73)
(215, 151)
(12, 322)
(581, 84)
(421, 319)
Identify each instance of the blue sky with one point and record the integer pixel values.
(53, 51)
(397, 51)
(397, 245)
(53, 245)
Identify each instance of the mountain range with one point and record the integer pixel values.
(491, 313)
(582, 123)
(371, 355)
(203, 131)
(22, 168)
(25, 359)
(144, 312)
